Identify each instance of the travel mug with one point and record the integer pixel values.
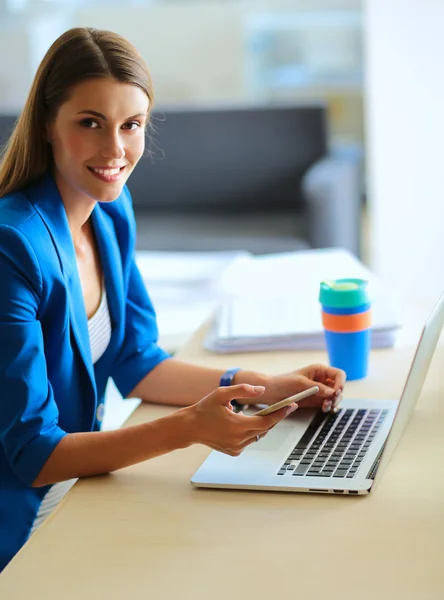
(346, 317)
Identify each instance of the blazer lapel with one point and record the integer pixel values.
(48, 203)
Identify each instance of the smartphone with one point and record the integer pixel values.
(286, 401)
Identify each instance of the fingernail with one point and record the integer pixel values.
(338, 399)
(292, 409)
(258, 388)
(329, 391)
(326, 407)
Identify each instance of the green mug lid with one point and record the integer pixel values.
(344, 293)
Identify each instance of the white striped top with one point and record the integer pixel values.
(99, 329)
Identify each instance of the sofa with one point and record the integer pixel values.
(255, 178)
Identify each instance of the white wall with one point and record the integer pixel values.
(405, 136)
(192, 51)
(196, 50)
(15, 72)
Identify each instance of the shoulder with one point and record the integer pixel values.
(16, 210)
(17, 213)
(18, 228)
(19, 265)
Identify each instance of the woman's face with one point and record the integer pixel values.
(97, 138)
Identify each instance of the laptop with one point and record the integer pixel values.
(337, 453)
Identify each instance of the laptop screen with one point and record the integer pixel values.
(415, 380)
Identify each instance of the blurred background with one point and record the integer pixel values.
(336, 100)
(210, 51)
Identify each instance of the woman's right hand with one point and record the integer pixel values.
(215, 424)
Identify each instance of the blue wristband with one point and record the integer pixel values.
(227, 379)
(228, 376)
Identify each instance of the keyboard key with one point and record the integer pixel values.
(301, 470)
(340, 473)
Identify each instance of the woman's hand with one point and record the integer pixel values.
(213, 422)
(330, 381)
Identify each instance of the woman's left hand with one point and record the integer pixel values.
(330, 381)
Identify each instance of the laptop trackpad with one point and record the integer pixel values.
(279, 435)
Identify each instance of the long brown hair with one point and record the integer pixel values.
(78, 54)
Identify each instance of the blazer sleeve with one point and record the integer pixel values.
(29, 429)
(139, 353)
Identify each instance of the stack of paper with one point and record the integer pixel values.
(271, 302)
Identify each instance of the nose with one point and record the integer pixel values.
(112, 145)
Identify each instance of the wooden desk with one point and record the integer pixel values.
(145, 532)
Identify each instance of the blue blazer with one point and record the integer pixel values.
(49, 386)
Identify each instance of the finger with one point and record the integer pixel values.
(325, 398)
(339, 385)
(325, 391)
(231, 451)
(225, 394)
(336, 378)
(261, 423)
(336, 402)
(252, 440)
(333, 377)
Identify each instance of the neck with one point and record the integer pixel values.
(78, 209)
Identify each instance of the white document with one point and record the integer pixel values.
(271, 301)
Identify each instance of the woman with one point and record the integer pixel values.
(73, 308)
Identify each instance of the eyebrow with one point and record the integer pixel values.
(97, 114)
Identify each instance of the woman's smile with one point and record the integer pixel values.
(106, 174)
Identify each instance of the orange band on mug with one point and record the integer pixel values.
(347, 323)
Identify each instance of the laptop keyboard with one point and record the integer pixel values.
(335, 444)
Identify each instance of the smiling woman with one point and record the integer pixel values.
(99, 144)
(74, 310)
(64, 80)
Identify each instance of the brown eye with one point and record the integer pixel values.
(89, 123)
(129, 125)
